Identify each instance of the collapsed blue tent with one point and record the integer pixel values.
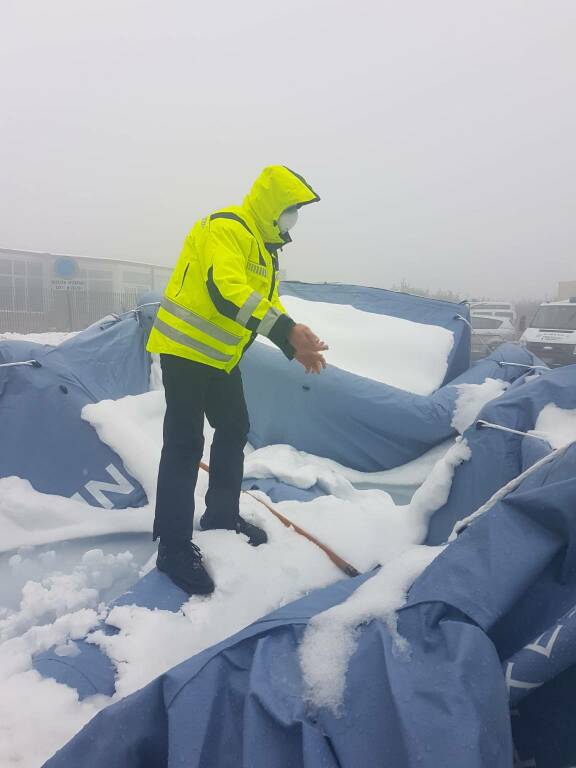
(499, 456)
(340, 415)
(471, 619)
(362, 424)
(91, 672)
(43, 437)
(490, 623)
(335, 413)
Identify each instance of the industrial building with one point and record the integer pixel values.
(45, 291)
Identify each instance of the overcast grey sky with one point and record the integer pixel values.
(440, 134)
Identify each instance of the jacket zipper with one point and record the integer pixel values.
(274, 265)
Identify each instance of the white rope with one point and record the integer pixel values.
(506, 489)
(535, 435)
(502, 363)
(33, 363)
(115, 317)
(139, 307)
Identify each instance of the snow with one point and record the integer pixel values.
(472, 398)
(331, 637)
(30, 704)
(557, 425)
(52, 339)
(61, 593)
(304, 470)
(250, 582)
(31, 518)
(404, 354)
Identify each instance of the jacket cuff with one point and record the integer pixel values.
(279, 332)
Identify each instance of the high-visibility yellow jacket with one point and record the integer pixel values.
(224, 288)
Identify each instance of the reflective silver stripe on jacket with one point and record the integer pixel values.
(200, 323)
(187, 341)
(268, 321)
(245, 311)
(257, 269)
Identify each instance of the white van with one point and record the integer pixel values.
(551, 335)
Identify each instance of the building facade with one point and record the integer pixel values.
(45, 291)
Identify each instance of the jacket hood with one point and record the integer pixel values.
(276, 189)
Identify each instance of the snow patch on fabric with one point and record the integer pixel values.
(37, 715)
(401, 353)
(557, 425)
(52, 339)
(303, 470)
(472, 398)
(331, 637)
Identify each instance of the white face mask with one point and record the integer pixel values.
(287, 219)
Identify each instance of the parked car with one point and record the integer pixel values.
(495, 309)
(489, 332)
(551, 334)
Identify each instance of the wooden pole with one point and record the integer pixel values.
(344, 566)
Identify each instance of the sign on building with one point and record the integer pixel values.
(65, 271)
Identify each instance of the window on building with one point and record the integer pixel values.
(100, 280)
(21, 288)
(137, 281)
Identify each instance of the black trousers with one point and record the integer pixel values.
(193, 390)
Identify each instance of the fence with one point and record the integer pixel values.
(60, 310)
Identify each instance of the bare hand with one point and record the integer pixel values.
(304, 340)
(313, 362)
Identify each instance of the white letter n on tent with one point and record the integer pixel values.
(96, 488)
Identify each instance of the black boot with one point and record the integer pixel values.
(255, 535)
(183, 564)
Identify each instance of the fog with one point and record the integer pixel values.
(440, 135)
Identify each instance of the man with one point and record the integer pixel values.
(222, 293)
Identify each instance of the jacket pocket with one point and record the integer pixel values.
(183, 279)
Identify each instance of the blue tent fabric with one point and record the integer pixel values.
(278, 491)
(402, 305)
(77, 671)
(363, 424)
(468, 617)
(498, 457)
(40, 411)
(526, 549)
